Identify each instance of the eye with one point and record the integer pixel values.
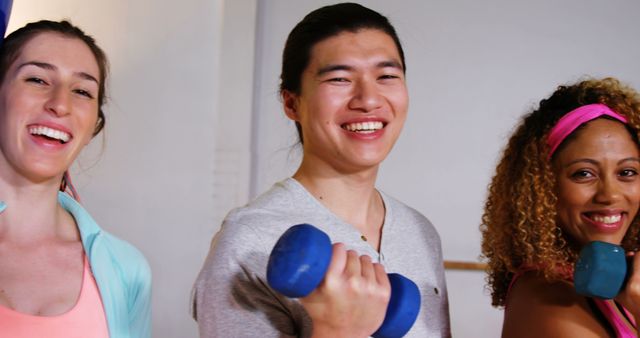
(338, 79)
(37, 80)
(389, 77)
(84, 93)
(582, 175)
(628, 173)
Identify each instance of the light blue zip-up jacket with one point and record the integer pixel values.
(121, 272)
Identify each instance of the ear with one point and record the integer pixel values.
(290, 105)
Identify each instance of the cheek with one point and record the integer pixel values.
(11, 120)
(570, 193)
(634, 199)
(88, 122)
(400, 100)
(327, 103)
(571, 199)
(318, 111)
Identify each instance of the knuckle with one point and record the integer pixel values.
(352, 254)
(379, 267)
(354, 284)
(339, 248)
(386, 291)
(633, 287)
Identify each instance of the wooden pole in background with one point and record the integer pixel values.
(460, 265)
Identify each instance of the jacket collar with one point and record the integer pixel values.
(88, 228)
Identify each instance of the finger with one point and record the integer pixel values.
(635, 267)
(338, 260)
(632, 289)
(366, 268)
(381, 275)
(352, 267)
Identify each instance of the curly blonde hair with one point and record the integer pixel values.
(519, 226)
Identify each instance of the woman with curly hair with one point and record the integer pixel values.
(568, 176)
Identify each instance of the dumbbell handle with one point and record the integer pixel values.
(299, 262)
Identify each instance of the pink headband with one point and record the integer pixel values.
(574, 119)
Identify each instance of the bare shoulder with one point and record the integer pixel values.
(538, 308)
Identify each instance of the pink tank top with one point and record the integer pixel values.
(621, 321)
(85, 320)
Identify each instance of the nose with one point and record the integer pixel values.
(366, 96)
(609, 191)
(59, 102)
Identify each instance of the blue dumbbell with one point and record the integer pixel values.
(300, 259)
(5, 12)
(601, 270)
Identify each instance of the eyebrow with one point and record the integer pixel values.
(635, 159)
(49, 66)
(588, 160)
(337, 67)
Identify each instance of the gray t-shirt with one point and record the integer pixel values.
(231, 297)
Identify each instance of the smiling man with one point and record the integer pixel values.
(343, 84)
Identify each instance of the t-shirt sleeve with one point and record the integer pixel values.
(231, 297)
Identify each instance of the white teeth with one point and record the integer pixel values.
(364, 127)
(51, 133)
(607, 219)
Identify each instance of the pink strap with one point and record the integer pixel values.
(622, 327)
(574, 119)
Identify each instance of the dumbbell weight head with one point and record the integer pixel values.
(403, 308)
(600, 270)
(299, 261)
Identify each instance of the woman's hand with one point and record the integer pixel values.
(352, 299)
(630, 295)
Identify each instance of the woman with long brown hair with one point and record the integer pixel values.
(61, 275)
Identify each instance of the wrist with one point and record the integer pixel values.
(325, 331)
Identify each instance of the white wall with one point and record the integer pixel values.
(194, 126)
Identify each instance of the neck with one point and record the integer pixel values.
(33, 214)
(351, 196)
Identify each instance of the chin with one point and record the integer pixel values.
(43, 174)
(370, 158)
(608, 238)
(367, 164)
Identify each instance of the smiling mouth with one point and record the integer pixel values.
(50, 133)
(610, 222)
(607, 219)
(363, 127)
